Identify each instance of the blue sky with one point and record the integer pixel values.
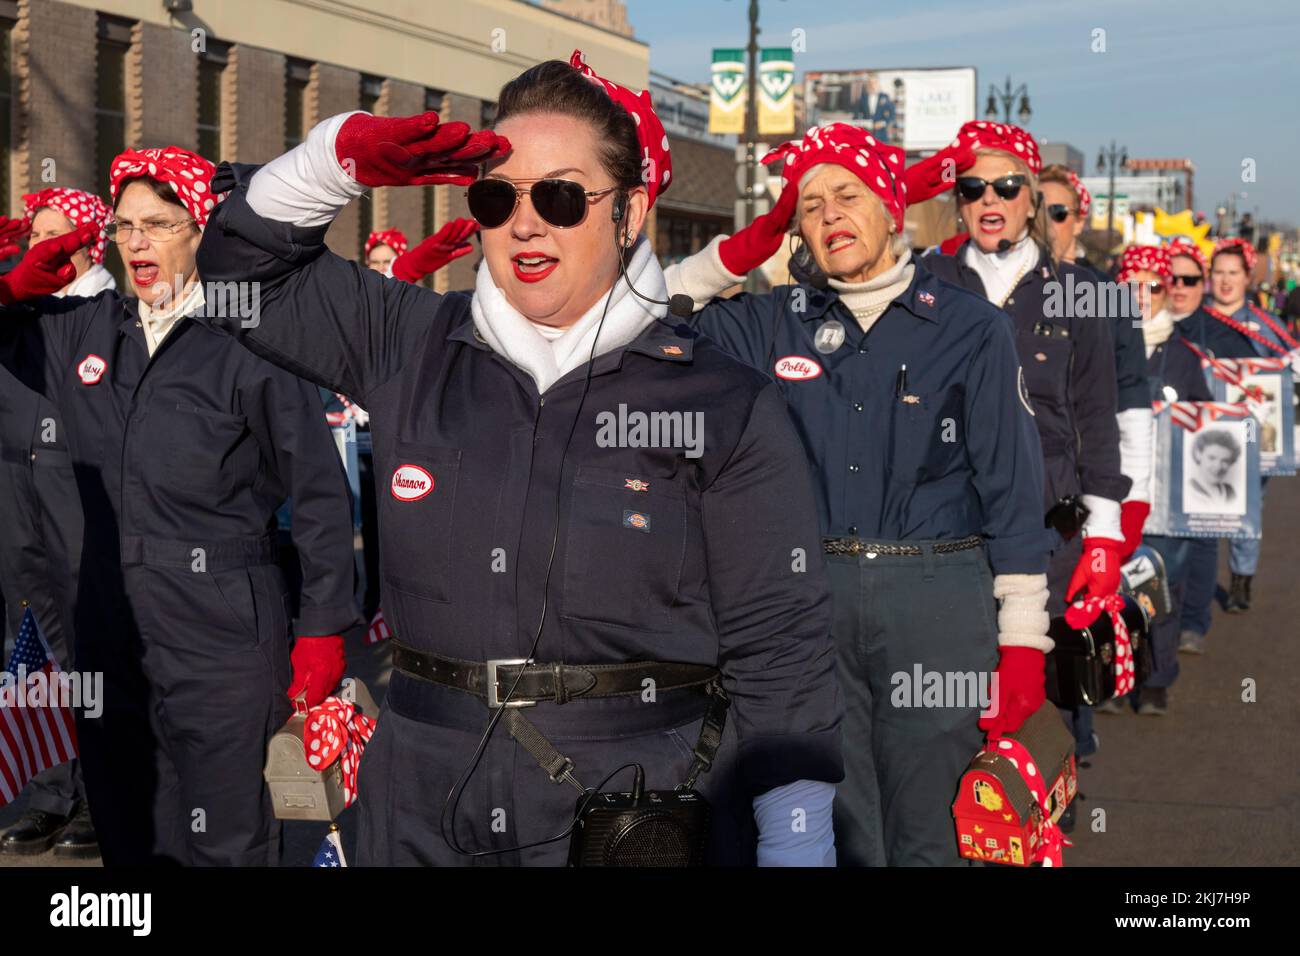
(1213, 80)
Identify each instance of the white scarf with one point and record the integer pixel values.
(1157, 329)
(157, 324)
(90, 283)
(548, 356)
(1001, 271)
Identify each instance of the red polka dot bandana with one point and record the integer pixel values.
(1081, 614)
(79, 207)
(394, 239)
(984, 134)
(656, 163)
(1241, 245)
(1144, 259)
(878, 165)
(1181, 247)
(188, 174)
(1080, 190)
(337, 730)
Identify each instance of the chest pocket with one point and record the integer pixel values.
(624, 550)
(927, 433)
(417, 503)
(201, 447)
(1046, 361)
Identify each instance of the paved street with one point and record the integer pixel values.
(1214, 783)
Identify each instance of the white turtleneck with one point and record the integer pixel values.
(1157, 329)
(868, 300)
(158, 323)
(1001, 272)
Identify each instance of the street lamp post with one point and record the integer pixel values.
(1006, 97)
(1111, 160)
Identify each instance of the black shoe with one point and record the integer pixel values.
(1153, 701)
(1068, 817)
(78, 838)
(1238, 594)
(32, 834)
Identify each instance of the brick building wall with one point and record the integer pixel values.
(252, 105)
(449, 202)
(162, 88)
(400, 207)
(332, 90)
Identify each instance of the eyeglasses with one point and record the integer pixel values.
(561, 202)
(153, 231)
(1059, 212)
(1189, 282)
(1156, 288)
(971, 188)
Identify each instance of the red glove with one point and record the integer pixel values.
(1021, 689)
(11, 230)
(318, 664)
(938, 173)
(1097, 572)
(448, 243)
(47, 267)
(1132, 517)
(413, 150)
(756, 243)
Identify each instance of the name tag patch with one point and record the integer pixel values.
(637, 521)
(796, 368)
(91, 369)
(411, 483)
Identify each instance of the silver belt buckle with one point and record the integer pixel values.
(493, 700)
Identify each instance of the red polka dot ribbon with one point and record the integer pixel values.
(1144, 259)
(394, 239)
(1182, 247)
(1081, 191)
(656, 161)
(188, 174)
(335, 728)
(985, 134)
(877, 164)
(1082, 613)
(1235, 243)
(1045, 846)
(78, 207)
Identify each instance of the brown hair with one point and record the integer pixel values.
(159, 188)
(556, 87)
(1231, 251)
(1056, 173)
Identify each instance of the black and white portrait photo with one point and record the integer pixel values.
(1214, 470)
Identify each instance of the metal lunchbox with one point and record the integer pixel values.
(1081, 668)
(1147, 582)
(299, 792)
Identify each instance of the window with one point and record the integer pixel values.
(110, 112)
(297, 76)
(371, 87)
(211, 66)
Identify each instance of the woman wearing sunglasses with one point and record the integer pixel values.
(1232, 326)
(1068, 360)
(596, 529)
(906, 393)
(183, 446)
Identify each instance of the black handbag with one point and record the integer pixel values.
(1081, 668)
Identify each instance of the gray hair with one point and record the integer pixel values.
(901, 240)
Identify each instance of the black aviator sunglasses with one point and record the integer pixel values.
(561, 202)
(971, 188)
(1059, 212)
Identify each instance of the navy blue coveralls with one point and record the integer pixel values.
(659, 555)
(948, 454)
(1174, 375)
(1130, 352)
(181, 461)
(1070, 369)
(40, 549)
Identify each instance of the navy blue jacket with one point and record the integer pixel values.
(658, 555)
(953, 453)
(1223, 341)
(1069, 365)
(1130, 352)
(194, 447)
(1174, 366)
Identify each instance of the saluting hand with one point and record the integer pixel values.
(11, 230)
(448, 243)
(938, 173)
(413, 150)
(47, 267)
(759, 241)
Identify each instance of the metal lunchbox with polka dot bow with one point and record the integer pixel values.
(1014, 792)
(299, 791)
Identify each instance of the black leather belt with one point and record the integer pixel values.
(561, 683)
(856, 546)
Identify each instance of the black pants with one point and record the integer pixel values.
(903, 760)
(194, 688)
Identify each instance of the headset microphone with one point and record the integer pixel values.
(1004, 245)
(680, 305)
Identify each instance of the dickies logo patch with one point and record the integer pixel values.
(636, 484)
(796, 368)
(411, 483)
(91, 369)
(637, 521)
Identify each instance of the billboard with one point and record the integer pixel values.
(919, 110)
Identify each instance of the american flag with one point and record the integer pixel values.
(1192, 415)
(378, 630)
(35, 738)
(331, 850)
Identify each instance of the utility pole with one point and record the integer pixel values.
(1006, 97)
(1111, 159)
(751, 127)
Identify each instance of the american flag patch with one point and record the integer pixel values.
(671, 349)
(636, 484)
(926, 297)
